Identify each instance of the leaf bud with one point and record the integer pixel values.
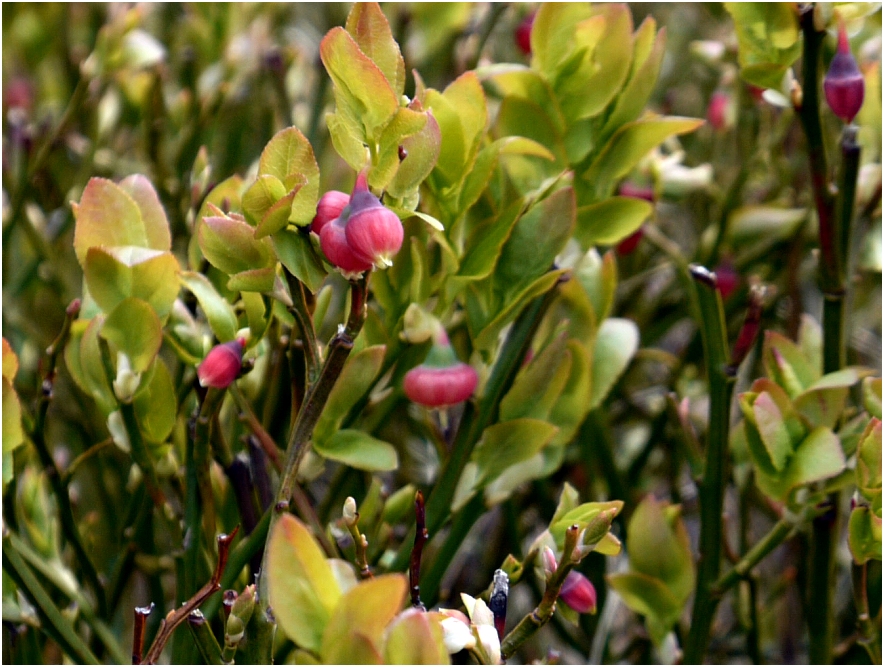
(127, 381)
(843, 84)
(222, 364)
(350, 513)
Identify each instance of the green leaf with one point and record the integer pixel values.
(364, 99)
(508, 443)
(582, 516)
(604, 66)
(289, 157)
(611, 220)
(539, 384)
(651, 598)
(864, 535)
(615, 344)
(628, 146)
(219, 312)
(819, 456)
(296, 253)
(108, 216)
(786, 365)
(358, 450)
(461, 112)
(304, 592)
(254, 280)
(134, 329)
(868, 464)
(821, 407)
(354, 634)
(646, 67)
(768, 37)
(83, 359)
(598, 277)
(224, 196)
(356, 378)
(659, 547)
(483, 247)
(777, 422)
(552, 35)
(13, 434)
(256, 314)
(846, 377)
(367, 25)
(261, 195)
(571, 408)
(114, 274)
(153, 217)
(872, 396)
(405, 123)
(155, 405)
(415, 638)
(537, 237)
(422, 151)
(230, 245)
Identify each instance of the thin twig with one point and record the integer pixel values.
(420, 537)
(141, 614)
(177, 617)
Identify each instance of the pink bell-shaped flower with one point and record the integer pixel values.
(843, 84)
(222, 364)
(333, 241)
(330, 206)
(374, 232)
(442, 379)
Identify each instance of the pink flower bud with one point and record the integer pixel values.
(727, 277)
(330, 206)
(523, 34)
(374, 232)
(549, 561)
(628, 245)
(844, 84)
(442, 379)
(222, 364)
(333, 241)
(719, 113)
(578, 593)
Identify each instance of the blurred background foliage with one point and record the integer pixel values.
(116, 89)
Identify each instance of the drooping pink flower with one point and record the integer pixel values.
(222, 364)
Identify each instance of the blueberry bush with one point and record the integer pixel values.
(442, 333)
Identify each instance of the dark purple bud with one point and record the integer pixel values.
(844, 84)
(523, 34)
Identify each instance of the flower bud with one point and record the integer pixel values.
(330, 206)
(350, 514)
(578, 593)
(728, 278)
(843, 83)
(549, 561)
(222, 364)
(374, 232)
(333, 241)
(628, 245)
(720, 112)
(523, 34)
(442, 379)
(456, 634)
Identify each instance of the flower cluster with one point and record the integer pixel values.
(357, 232)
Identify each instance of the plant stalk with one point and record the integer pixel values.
(721, 385)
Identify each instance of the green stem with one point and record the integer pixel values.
(869, 631)
(204, 638)
(53, 621)
(314, 402)
(54, 576)
(56, 481)
(301, 314)
(777, 535)
(540, 616)
(712, 487)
